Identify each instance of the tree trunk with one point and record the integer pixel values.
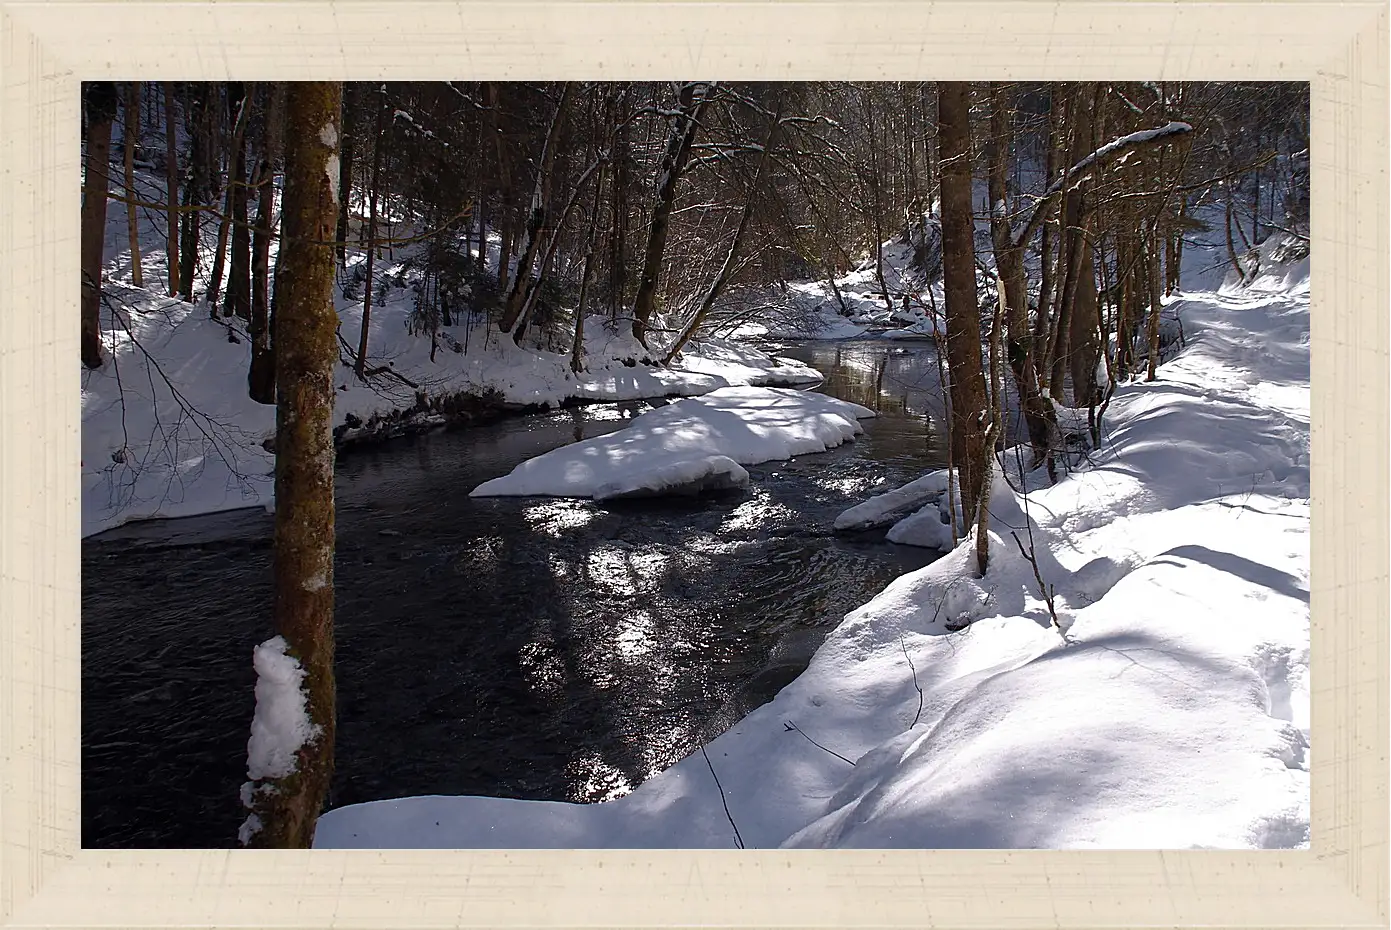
(171, 158)
(1074, 242)
(224, 228)
(536, 218)
(504, 255)
(591, 239)
(1039, 417)
(491, 98)
(1085, 327)
(969, 410)
(101, 113)
(1176, 268)
(1156, 306)
(678, 152)
(285, 805)
(482, 229)
(347, 150)
(196, 191)
(1231, 246)
(876, 193)
(1048, 248)
(239, 270)
(618, 248)
(130, 135)
(547, 263)
(261, 375)
(378, 144)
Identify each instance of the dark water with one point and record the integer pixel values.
(531, 648)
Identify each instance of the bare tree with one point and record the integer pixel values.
(130, 136)
(171, 175)
(239, 261)
(101, 113)
(536, 218)
(969, 407)
(692, 99)
(373, 189)
(721, 280)
(1039, 417)
(261, 374)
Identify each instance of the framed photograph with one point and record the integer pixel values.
(584, 462)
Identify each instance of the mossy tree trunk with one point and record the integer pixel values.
(306, 353)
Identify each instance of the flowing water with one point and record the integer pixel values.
(531, 648)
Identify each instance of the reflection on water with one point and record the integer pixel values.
(893, 378)
(531, 648)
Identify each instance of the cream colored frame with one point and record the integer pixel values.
(47, 48)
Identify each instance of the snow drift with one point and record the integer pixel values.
(690, 445)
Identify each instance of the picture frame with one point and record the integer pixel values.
(48, 48)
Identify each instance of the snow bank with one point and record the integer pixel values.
(688, 445)
(740, 364)
(1169, 707)
(887, 507)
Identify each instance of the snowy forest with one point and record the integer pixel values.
(695, 464)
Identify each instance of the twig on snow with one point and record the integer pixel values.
(789, 726)
(737, 838)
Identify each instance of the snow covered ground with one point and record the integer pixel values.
(694, 444)
(1168, 707)
(168, 428)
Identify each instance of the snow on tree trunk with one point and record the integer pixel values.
(285, 800)
(101, 112)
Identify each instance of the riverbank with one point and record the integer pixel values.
(1167, 708)
(169, 430)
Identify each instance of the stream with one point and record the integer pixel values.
(519, 647)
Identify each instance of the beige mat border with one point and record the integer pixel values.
(47, 48)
